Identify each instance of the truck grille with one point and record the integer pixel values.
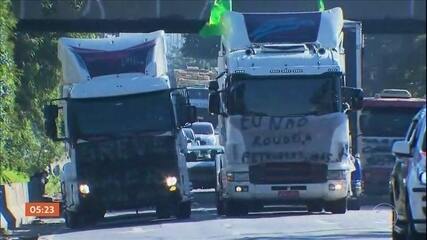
(288, 173)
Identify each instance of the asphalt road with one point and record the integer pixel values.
(368, 223)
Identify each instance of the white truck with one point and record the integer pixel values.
(122, 129)
(281, 100)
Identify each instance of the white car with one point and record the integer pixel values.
(191, 137)
(408, 182)
(204, 133)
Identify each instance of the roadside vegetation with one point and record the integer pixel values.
(53, 186)
(10, 176)
(29, 78)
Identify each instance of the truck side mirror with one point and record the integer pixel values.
(353, 96)
(213, 86)
(50, 115)
(192, 113)
(214, 103)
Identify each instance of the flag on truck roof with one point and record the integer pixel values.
(321, 5)
(213, 27)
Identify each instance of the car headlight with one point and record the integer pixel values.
(423, 177)
(171, 181)
(337, 175)
(237, 176)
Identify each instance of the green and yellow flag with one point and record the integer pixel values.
(321, 5)
(213, 27)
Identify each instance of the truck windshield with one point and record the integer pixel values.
(285, 97)
(386, 121)
(101, 117)
(201, 93)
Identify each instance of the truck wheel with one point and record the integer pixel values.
(73, 219)
(396, 235)
(314, 207)
(219, 206)
(354, 204)
(337, 207)
(101, 214)
(184, 210)
(234, 208)
(163, 211)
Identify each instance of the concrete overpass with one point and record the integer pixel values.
(188, 16)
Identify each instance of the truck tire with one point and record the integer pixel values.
(219, 206)
(354, 204)
(396, 235)
(337, 207)
(184, 210)
(163, 211)
(234, 208)
(314, 207)
(73, 219)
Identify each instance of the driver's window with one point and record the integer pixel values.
(414, 138)
(411, 130)
(412, 135)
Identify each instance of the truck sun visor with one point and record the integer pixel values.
(129, 60)
(241, 30)
(282, 28)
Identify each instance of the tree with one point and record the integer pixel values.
(29, 78)
(395, 61)
(198, 47)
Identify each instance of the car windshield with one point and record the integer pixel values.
(196, 93)
(254, 96)
(202, 128)
(386, 121)
(196, 155)
(138, 113)
(189, 133)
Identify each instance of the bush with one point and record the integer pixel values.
(11, 176)
(53, 186)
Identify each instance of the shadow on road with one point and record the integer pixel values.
(147, 219)
(367, 235)
(202, 211)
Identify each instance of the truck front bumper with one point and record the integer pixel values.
(329, 191)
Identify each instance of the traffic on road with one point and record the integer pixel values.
(282, 142)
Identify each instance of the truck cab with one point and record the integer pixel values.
(281, 99)
(122, 129)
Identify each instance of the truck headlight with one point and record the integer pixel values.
(84, 189)
(337, 175)
(171, 181)
(423, 177)
(238, 176)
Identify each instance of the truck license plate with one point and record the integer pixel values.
(288, 194)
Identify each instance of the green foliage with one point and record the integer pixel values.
(395, 61)
(53, 186)
(8, 82)
(10, 176)
(198, 47)
(29, 78)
